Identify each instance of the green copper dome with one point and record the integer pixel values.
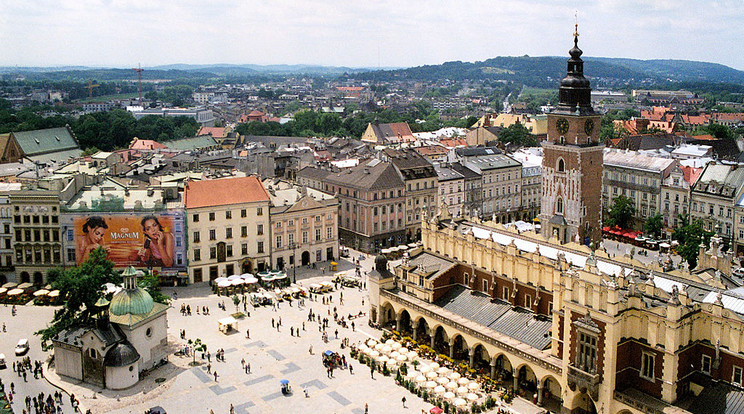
(131, 301)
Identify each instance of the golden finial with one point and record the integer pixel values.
(576, 23)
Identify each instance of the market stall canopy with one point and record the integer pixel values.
(224, 284)
(54, 294)
(10, 285)
(41, 292)
(3, 290)
(15, 292)
(25, 285)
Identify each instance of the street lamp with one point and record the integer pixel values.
(293, 246)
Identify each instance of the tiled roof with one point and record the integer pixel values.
(224, 191)
(216, 132)
(370, 175)
(193, 143)
(519, 324)
(691, 174)
(44, 141)
(635, 160)
(396, 132)
(145, 144)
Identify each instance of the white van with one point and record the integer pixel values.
(22, 347)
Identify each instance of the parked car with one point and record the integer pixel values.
(22, 348)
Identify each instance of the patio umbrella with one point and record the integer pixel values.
(389, 342)
(431, 384)
(401, 358)
(250, 280)
(54, 294)
(383, 359)
(451, 385)
(431, 375)
(41, 292)
(443, 371)
(443, 381)
(15, 292)
(463, 381)
(224, 284)
(462, 390)
(439, 390)
(220, 279)
(25, 285)
(379, 347)
(454, 376)
(471, 396)
(411, 374)
(236, 282)
(3, 290)
(424, 369)
(403, 350)
(364, 348)
(280, 276)
(371, 342)
(10, 285)
(394, 354)
(374, 354)
(386, 349)
(473, 386)
(449, 395)
(396, 345)
(411, 354)
(434, 365)
(460, 402)
(420, 379)
(233, 277)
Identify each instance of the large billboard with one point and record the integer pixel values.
(134, 239)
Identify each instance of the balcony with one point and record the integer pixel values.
(584, 381)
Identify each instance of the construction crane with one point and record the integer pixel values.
(90, 87)
(139, 71)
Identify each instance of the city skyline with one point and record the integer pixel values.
(357, 34)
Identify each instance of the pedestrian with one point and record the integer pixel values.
(272, 322)
(366, 408)
(311, 349)
(291, 331)
(351, 370)
(303, 326)
(248, 333)
(232, 409)
(242, 362)
(215, 376)
(248, 367)
(404, 401)
(209, 369)
(352, 327)
(372, 372)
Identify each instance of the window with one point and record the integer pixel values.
(260, 247)
(279, 224)
(212, 253)
(528, 301)
(329, 233)
(259, 211)
(211, 216)
(559, 206)
(228, 251)
(706, 364)
(278, 241)
(317, 219)
(317, 234)
(244, 249)
(212, 234)
(304, 221)
(290, 223)
(290, 238)
(259, 230)
(228, 233)
(485, 285)
(304, 237)
(196, 237)
(243, 231)
(318, 255)
(195, 218)
(647, 366)
(197, 255)
(228, 214)
(506, 293)
(587, 355)
(736, 376)
(243, 213)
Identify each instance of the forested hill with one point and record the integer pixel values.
(544, 71)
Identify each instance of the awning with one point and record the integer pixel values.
(227, 321)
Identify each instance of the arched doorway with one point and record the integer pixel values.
(481, 360)
(387, 316)
(38, 278)
(25, 277)
(422, 332)
(305, 258)
(583, 404)
(405, 324)
(460, 350)
(526, 381)
(246, 266)
(504, 370)
(551, 394)
(441, 341)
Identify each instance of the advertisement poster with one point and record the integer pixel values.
(140, 240)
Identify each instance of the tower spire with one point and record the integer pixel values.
(576, 28)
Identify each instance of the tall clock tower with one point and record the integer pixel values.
(572, 161)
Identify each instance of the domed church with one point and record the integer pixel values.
(130, 336)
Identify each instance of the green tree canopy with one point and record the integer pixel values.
(517, 134)
(690, 236)
(622, 212)
(81, 287)
(654, 225)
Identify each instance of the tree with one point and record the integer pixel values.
(151, 284)
(621, 212)
(236, 302)
(517, 134)
(654, 225)
(690, 236)
(81, 287)
(197, 346)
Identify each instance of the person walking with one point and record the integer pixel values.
(351, 370)
(248, 367)
(404, 401)
(215, 376)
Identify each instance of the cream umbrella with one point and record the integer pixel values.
(54, 293)
(463, 381)
(431, 375)
(394, 355)
(454, 376)
(411, 354)
(471, 396)
(371, 342)
(389, 342)
(383, 359)
(15, 292)
(10, 285)
(378, 347)
(41, 292)
(451, 385)
(364, 348)
(449, 395)
(374, 354)
(421, 379)
(439, 390)
(401, 358)
(443, 381)
(396, 345)
(411, 374)
(431, 384)
(424, 369)
(3, 290)
(403, 350)
(460, 402)
(462, 390)
(443, 371)
(473, 386)
(434, 365)
(386, 349)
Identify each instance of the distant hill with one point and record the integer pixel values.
(233, 69)
(544, 71)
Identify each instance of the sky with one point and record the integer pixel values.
(370, 33)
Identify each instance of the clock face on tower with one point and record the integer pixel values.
(588, 126)
(562, 125)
